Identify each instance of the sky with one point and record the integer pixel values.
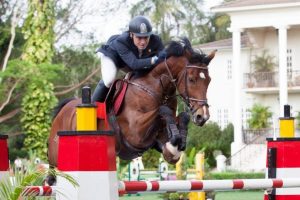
(113, 23)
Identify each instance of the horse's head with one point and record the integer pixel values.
(192, 81)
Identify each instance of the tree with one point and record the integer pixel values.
(39, 32)
(215, 28)
(38, 52)
(263, 62)
(168, 16)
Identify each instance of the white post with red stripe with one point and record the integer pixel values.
(132, 187)
(4, 161)
(88, 156)
(283, 161)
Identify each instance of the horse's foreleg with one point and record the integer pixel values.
(183, 121)
(172, 131)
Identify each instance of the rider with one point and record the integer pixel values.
(136, 49)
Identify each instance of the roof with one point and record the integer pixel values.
(225, 44)
(243, 3)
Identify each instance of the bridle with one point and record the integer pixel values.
(185, 96)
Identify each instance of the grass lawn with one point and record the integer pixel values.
(230, 195)
(143, 197)
(240, 195)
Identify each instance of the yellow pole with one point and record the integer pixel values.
(199, 164)
(286, 124)
(86, 112)
(180, 171)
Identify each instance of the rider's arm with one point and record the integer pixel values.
(132, 61)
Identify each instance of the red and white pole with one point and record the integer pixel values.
(4, 161)
(34, 191)
(89, 157)
(205, 185)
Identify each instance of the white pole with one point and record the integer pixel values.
(205, 185)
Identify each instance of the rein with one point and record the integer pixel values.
(186, 98)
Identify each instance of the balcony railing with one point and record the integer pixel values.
(261, 79)
(251, 136)
(269, 79)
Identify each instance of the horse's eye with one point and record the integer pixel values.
(191, 80)
(202, 75)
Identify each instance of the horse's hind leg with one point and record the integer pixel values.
(173, 133)
(183, 121)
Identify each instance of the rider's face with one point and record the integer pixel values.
(140, 42)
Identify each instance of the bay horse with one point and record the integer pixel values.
(148, 115)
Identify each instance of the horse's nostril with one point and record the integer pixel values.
(198, 117)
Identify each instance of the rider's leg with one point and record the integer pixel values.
(100, 92)
(173, 133)
(109, 72)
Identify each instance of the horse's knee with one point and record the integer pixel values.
(165, 111)
(183, 119)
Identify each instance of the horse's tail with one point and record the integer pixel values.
(60, 105)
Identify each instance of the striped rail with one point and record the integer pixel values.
(34, 191)
(131, 187)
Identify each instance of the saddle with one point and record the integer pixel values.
(115, 97)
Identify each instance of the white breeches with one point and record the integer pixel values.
(108, 69)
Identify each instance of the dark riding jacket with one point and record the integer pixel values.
(123, 52)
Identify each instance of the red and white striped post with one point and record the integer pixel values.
(133, 187)
(283, 162)
(89, 157)
(4, 161)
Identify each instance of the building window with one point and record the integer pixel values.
(229, 69)
(219, 117)
(289, 61)
(223, 118)
(246, 114)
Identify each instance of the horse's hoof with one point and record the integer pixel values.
(50, 180)
(171, 153)
(182, 146)
(176, 140)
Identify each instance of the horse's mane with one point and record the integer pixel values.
(177, 48)
(60, 105)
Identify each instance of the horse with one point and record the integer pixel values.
(148, 115)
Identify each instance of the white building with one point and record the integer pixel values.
(256, 25)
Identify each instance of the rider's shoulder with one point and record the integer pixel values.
(124, 37)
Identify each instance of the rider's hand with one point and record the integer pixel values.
(162, 55)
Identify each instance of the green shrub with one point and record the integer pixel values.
(260, 116)
(234, 175)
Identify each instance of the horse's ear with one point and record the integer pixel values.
(209, 57)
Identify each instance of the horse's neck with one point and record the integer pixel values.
(172, 68)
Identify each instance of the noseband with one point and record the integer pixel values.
(186, 97)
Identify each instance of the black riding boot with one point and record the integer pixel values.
(100, 92)
(172, 130)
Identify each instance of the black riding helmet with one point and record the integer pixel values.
(140, 26)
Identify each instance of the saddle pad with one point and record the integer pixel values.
(119, 99)
(102, 122)
(101, 110)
